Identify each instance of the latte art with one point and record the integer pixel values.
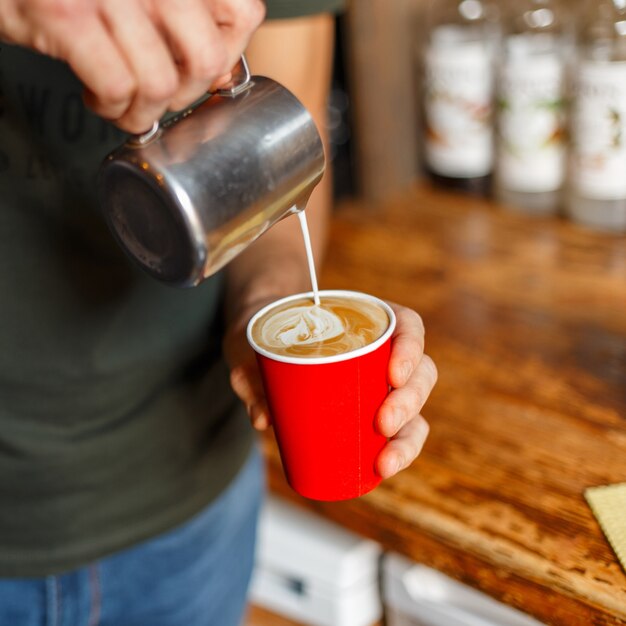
(300, 326)
(338, 325)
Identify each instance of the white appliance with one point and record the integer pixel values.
(416, 595)
(314, 571)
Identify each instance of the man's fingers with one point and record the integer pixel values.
(13, 24)
(407, 345)
(402, 450)
(97, 62)
(197, 44)
(242, 17)
(237, 21)
(137, 58)
(247, 384)
(259, 415)
(148, 57)
(403, 404)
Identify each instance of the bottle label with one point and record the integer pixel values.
(531, 125)
(599, 131)
(458, 109)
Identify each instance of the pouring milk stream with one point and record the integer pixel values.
(305, 324)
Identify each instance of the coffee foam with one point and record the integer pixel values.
(300, 326)
(338, 325)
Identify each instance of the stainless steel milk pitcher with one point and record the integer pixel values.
(191, 194)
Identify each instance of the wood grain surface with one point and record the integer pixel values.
(526, 320)
(259, 616)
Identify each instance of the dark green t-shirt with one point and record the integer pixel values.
(117, 421)
(116, 416)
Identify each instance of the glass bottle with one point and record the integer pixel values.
(531, 145)
(597, 175)
(458, 62)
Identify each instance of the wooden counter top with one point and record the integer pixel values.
(526, 320)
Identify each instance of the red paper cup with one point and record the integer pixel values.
(323, 411)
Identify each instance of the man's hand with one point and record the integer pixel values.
(137, 58)
(245, 377)
(412, 375)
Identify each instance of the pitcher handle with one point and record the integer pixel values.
(239, 82)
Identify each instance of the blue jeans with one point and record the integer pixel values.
(194, 575)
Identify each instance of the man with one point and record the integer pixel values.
(129, 481)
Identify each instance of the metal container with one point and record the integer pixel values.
(188, 196)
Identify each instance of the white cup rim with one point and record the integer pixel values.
(335, 358)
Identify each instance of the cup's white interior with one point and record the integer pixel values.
(352, 354)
